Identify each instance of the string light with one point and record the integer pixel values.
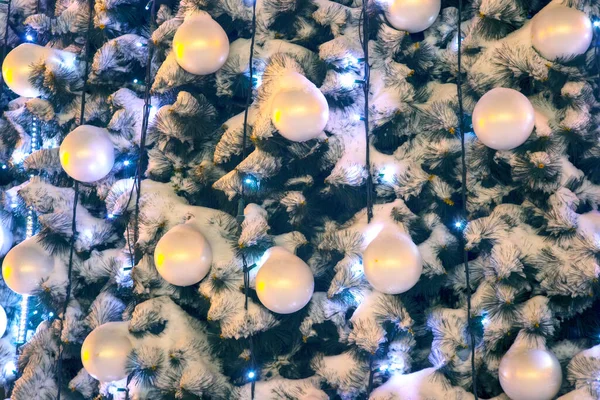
(126, 163)
(387, 174)
(251, 374)
(29, 38)
(110, 216)
(596, 23)
(135, 80)
(3, 166)
(347, 80)
(459, 224)
(23, 320)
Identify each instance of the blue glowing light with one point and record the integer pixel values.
(126, 163)
(111, 216)
(458, 224)
(29, 38)
(135, 81)
(3, 166)
(251, 375)
(597, 23)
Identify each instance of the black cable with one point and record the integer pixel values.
(5, 44)
(241, 203)
(363, 35)
(464, 197)
(367, 77)
(75, 199)
(145, 120)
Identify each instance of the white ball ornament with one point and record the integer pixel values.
(200, 45)
(3, 321)
(183, 256)
(503, 119)
(392, 262)
(560, 32)
(530, 374)
(412, 15)
(6, 239)
(284, 283)
(25, 266)
(105, 350)
(300, 113)
(87, 153)
(16, 68)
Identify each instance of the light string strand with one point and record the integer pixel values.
(241, 203)
(461, 114)
(5, 42)
(364, 39)
(145, 122)
(63, 317)
(137, 180)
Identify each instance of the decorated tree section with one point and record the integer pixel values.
(300, 199)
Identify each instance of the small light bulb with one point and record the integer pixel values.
(135, 81)
(51, 314)
(126, 163)
(458, 224)
(248, 181)
(110, 216)
(251, 375)
(597, 23)
(139, 44)
(347, 80)
(29, 38)
(3, 166)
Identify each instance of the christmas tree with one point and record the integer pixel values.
(300, 199)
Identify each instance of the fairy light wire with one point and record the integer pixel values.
(461, 129)
(74, 234)
(363, 34)
(241, 204)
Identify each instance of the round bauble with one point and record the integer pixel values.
(16, 68)
(3, 321)
(530, 375)
(200, 44)
(412, 15)
(105, 350)
(284, 283)
(392, 262)
(560, 32)
(300, 114)
(25, 266)
(87, 153)
(503, 119)
(183, 256)
(6, 238)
